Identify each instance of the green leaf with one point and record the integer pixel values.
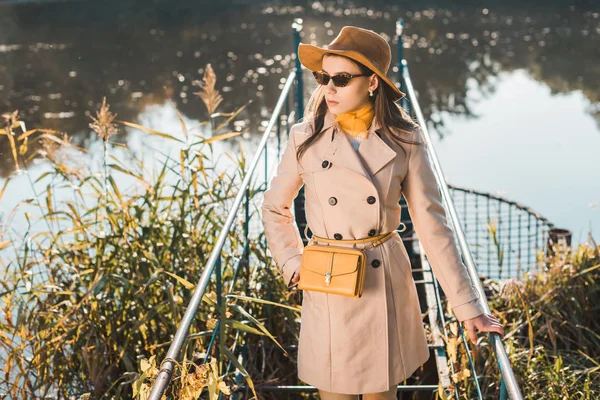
(123, 170)
(151, 131)
(208, 300)
(239, 366)
(257, 300)
(42, 176)
(224, 136)
(231, 117)
(183, 127)
(116, 189)
(4, 188)
(146, 364)
(259, 324)
(185, 283)
(49, 199)
(242, 327)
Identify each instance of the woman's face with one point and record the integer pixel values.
(352, 96)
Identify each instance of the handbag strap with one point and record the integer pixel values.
(310, 239)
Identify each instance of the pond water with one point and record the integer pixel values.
(511, 92)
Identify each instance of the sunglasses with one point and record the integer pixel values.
(339, 80)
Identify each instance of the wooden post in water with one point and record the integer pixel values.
(559, 242)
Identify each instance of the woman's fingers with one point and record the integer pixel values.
(495, 328)
(486, 323)
(296, 277)
(472, 335)
(492, 328)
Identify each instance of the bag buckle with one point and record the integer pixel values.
(328, 274)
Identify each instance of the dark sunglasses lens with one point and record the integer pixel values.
(322, 79)
(341, 80)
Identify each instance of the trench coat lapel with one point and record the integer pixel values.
(373, 153)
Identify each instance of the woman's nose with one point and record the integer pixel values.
(330, 87)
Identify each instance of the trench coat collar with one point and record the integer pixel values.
(372, 155)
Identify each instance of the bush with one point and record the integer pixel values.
(552, 338)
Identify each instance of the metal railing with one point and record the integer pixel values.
(168, 364)
(508, 376)
(505, 236)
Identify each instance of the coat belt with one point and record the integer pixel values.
(376, 239)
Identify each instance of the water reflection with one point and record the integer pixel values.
(57, 62)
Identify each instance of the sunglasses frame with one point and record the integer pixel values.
(333, 78)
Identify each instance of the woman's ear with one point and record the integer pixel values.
(374, 82)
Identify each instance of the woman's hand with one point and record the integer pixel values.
(296, 276)
(483, 323)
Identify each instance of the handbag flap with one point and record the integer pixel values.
(342, 260)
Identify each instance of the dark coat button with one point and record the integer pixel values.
(371, 199)
(338, 236)
(332, 201)
(325, 164)
(372, 232)
(375, 263)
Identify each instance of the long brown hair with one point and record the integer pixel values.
(386, 111)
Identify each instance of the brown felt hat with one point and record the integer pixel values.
(362, 45)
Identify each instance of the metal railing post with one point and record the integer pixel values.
(297, 27)
(299, 212)
(220, 313)
(400, 65)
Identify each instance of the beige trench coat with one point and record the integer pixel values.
(363, 345)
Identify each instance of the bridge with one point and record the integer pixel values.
(497, 237)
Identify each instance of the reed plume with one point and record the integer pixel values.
(102, 124)
(11, 119)
(209, 95)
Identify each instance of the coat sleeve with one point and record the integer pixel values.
(283, 238)
(429, 219)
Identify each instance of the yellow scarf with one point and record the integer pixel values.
(355, 122)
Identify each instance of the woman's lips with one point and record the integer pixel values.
(331, 103)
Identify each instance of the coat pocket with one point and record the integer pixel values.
(401, 259)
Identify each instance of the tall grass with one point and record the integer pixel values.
(552, 325)
(93, 298)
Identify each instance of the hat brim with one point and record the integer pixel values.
(312, 58)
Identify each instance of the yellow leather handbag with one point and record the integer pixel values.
(336, 269)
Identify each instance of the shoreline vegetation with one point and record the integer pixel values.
(92, 300)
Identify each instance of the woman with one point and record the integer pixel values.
(356, 152)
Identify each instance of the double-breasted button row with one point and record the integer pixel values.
(372, 232)
(375, 263)
(337, 236)
(325, 164)
(333, 201)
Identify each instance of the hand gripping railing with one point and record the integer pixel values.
(168, 364)
(503, 363)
